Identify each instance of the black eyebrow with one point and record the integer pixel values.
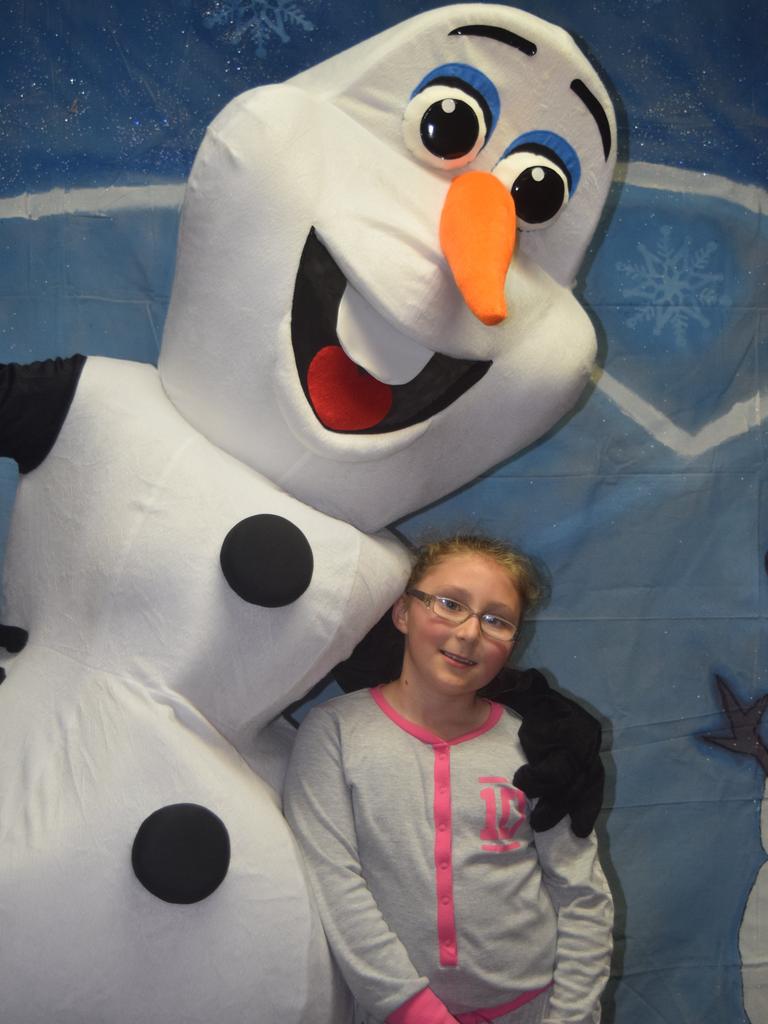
(586, 96)
(502, 35)
(595, 108)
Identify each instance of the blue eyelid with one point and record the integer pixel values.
(559, 147)
(474, 78)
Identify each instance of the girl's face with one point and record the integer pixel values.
(441, 658)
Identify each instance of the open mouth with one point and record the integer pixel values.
(344, 396)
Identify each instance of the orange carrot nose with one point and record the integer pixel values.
(477, 236)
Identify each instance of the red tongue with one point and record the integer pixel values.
(343, 395)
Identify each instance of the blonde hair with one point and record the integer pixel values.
(526, 577)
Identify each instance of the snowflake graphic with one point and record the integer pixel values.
(673, 284)
(258, 20)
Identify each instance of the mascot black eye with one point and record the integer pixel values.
(449, 128)
(446, 123)
(539, 183)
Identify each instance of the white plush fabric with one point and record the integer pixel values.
(144, 684)
(326, 151)
(147, 681)
(86, 756)
(126, 519)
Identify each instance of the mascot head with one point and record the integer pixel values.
(372, 302)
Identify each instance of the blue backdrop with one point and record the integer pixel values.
(649, 506)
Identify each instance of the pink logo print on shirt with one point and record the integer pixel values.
(504, 813)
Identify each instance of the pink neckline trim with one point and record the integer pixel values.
(430, 737)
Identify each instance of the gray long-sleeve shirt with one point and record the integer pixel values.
(428, 875)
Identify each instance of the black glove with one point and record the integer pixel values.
(34, 402)
(562, 743)
(13, 638)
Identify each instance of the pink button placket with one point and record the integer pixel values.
(446, 918)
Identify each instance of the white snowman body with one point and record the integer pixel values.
(144, 683)
(754, 969)
(326, 364)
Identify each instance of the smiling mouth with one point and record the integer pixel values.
(458, 658)
(344, 396)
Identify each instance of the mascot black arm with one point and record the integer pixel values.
(560, 739)
(562, 743)
(34, 402)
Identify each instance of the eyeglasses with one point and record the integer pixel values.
(455, 612)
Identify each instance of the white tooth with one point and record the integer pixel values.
(373, 343)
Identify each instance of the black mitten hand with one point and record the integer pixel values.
(13, 638)
(34, 402)
(562, 743)
(582, 800)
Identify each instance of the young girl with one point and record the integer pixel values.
(439, 901)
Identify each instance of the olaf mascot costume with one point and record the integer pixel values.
(194, 546)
